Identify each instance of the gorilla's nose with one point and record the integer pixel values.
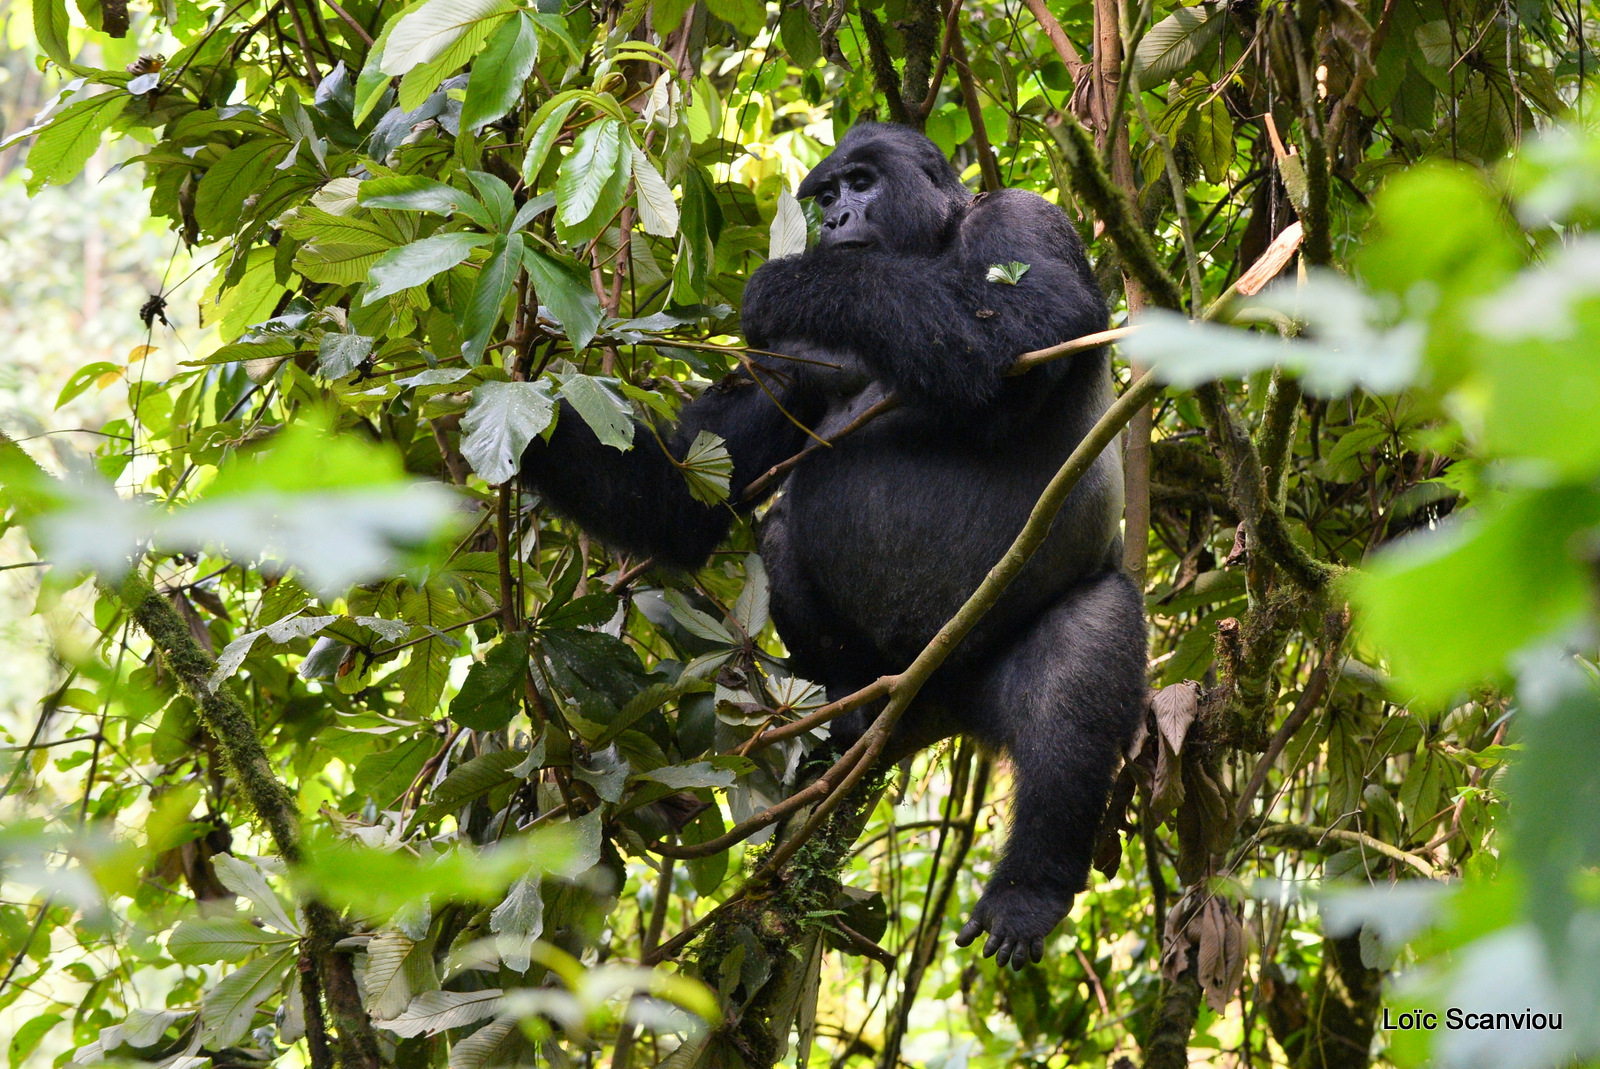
(842, 219)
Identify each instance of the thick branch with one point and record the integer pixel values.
(235, 731)
(1247, 487)
(1090, 181)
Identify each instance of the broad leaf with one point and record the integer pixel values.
(609, 416)
(206, 940)
(1175, 42)
(499, 72)
(62, 148)
(433, 1012)
(493, 287)
(414, 264)
(658, 212)
(787, 236)
(564, 287)
(492, 692)
(503, 419)
(425, 33)
(231, 1005)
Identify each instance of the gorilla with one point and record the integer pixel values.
(873, 544)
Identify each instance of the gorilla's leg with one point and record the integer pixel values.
(1062, 701)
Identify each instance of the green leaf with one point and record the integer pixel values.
(414, 264)
(800, 38)
(413, 193)
(1008, 274)
(1214, 140)
(564, 287)
(62, 148)
(588, 170)
(495, 279)
(546, 127)
(1175, 42)
(609, 416)
(746, 16)
(220, 196)
(246, 880)
(698, 623)
(477, 777)
(503, 419)
(371, 83)
(706, 873)
(385, 775)
(207, 940)
(688, 777)
(27, 1038)
(492, 692)
(231, 1005)
(1448, 607)
(708, 467)
(340, 354)
(426, 33)
(658, 212)
(83, 378)
(50, 25)
(433, 1012)
(499, 72)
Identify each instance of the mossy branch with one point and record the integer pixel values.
(1091, 182)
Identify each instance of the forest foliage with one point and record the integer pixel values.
(366, 758)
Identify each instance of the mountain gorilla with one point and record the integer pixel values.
(873, 544)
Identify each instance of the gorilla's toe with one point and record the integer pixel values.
(1017, 918)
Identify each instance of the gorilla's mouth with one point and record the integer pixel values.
(853, 243)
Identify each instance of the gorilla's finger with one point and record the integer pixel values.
(969, 931)
(1019, 956)
(1038, 950)
(993, 945)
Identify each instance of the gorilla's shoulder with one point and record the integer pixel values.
(1021, 224)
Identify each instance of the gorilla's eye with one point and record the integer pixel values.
(861, 181)
(826, 197)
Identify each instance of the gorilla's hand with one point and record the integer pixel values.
(1017, 918)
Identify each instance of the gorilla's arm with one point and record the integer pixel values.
(933, 326)
(638, 500)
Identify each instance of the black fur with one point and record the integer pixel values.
(876, 542)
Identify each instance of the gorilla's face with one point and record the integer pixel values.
(846, 198)
(886, 187)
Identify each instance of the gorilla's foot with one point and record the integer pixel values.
(1017, 917)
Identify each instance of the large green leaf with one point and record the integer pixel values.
(608, 415)
(207, 940)
(62, 148)
(503, 419)
(414, 264)
(495, 279)
(426, 33)
(564, 287)
(477, 777)
(499, 73)
(414, 193)
(1176, 42)
(589, 169)
(492, 692)
(50, 25)
(1447, 608)
(231, 1005)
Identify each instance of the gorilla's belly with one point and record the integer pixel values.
(893, 530)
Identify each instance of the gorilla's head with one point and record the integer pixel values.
(888, 187)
